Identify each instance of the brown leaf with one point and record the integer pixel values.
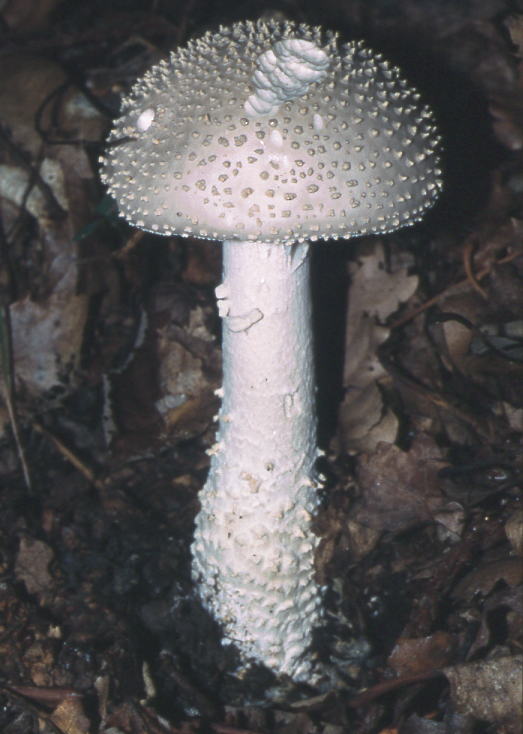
(69, 716)
(186, 392)
(506, 604)
(362, 539)
(483, 579)
(399, 489)
(375, 293)
(416, 655)
(490, 690)
(514, 531)
(451, 521)
(47, 338)
(31, 567)
(50, 182)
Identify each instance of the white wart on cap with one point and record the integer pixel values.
(206, 146)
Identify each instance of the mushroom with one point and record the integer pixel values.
(267, 136)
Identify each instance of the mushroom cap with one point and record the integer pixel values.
(355, 153)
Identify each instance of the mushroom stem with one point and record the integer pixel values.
(253, 553)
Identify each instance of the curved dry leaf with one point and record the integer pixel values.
(514, 531)
(483, 579)
(47, 340)
(419, 654)
(32, 567)
(490, 690)
(376, 289)
(70, 716)
(375, 293)
(185, 388)
(49, 181)
(399, 489)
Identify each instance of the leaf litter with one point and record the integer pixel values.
(114, 361)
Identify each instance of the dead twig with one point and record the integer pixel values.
(380, 689)
(8, 389)
(130, 245)
(43, 695)
(7, 370)
(70, 456)
(468, 252)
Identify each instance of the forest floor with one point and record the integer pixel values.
(110, 356)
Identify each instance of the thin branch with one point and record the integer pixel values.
(468, 251)
(8, 389)
(69, 455)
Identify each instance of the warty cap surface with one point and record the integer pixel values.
(356, 153)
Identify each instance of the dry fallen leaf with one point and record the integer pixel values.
(362, 539)
(483, 578)
(451, 521)
(417, 655)
(375, 293)
(70, 717)
(50, 184)
(47, 339)
(181, 372)
(489, 690)
(40, 662)
(399, 489)
(185, 389)
(514, 531)
(32, 567)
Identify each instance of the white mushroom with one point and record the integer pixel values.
(265, 135)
